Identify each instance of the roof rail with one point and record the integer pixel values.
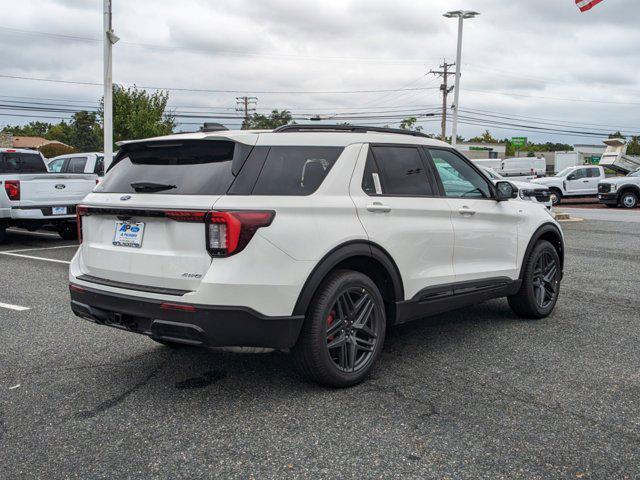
(346, 128)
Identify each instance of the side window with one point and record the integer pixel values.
(368, 182)
(295, 170)
(578, 174)
(76, 165)
(99, 169)
(401, 171)
(594, 173)
(56, 165)
(458, 178)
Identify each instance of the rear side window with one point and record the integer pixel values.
(22, 163)
(401, 171)
(295, 170)
(200, 167)
(99, 168)
(56, 165)
(76, 165)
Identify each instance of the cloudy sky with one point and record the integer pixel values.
(526, 64)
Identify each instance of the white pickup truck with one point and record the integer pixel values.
(31, 197)
(579, 181)
(620, 191)
(91, 162)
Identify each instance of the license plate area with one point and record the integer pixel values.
(128, 234)
(58, 210)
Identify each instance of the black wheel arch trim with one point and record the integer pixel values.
(345, 251)
(542, 230)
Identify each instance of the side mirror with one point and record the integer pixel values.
(505, 191)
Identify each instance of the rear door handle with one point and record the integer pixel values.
(466, 211)
(585, 181)
(378, 207)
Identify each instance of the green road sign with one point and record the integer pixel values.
(595, 160)
(519, 142)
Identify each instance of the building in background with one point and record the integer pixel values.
(483, 150)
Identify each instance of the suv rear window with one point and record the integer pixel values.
(200, 167)
(295, 170)
(21, 163)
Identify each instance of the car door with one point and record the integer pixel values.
(485, 231)
(399, 206)
(577, 182)
(593, 178)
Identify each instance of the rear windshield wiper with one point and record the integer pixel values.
(151, 186)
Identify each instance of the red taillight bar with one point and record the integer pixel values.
(12, 187)
(81, 210)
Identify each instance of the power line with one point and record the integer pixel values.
(510, 94)
(446, 90)
(206, 90)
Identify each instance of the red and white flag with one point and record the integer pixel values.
(585, 5)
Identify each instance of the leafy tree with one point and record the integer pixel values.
(617, 134)
(32, 129)
(85, 133)
(275, 119)
(410, 124)
(139, 114)
(633, 147)
(60, 132)
(54, 149)
(486, 137)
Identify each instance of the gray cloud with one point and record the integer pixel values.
(542, 49)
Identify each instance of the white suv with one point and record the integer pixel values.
(309, 238)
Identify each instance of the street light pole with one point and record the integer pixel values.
(109, 40)
(461, 15)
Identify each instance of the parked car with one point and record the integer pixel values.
(92, 162)
(526, 190)
(573, 182)
(620, 191)
(32, 198)
(313, 239)
(521, 166)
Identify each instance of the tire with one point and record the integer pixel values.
(556, 197)
(629, 199)
(540, 287)
(68, 231)
(344, 330)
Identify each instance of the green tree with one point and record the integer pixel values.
(275, 119)
(410, 124)
(634, 146)
(31, 129)
(617, 134)
(139, 114)
(60, 132)
(486, 137)
(85, 133)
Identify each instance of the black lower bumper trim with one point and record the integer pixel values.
(608, 198)
(209, 326)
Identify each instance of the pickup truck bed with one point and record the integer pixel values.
(34, 200)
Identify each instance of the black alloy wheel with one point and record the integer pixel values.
(351, 329)
(545, 282)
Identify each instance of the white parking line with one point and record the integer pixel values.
(17, 308)
(39, 248)
(54, 260)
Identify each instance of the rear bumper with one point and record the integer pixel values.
(42, 213)
(204, 325)
(608, 198)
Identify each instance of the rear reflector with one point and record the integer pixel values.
(12, 187)
(229, 232)
(178, 306)
(81, 210)
(76, 288)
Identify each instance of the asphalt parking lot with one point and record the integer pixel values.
(475, 393)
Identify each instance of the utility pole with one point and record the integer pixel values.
(245, 105)
(446, 90)
(109, 40)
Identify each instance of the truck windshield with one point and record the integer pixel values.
(563, 172)
(14, 162)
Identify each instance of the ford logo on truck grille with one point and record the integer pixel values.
(61, 186)
(125, 197)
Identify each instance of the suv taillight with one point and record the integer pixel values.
(81, 210)
(12, 187)
(229, 232)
